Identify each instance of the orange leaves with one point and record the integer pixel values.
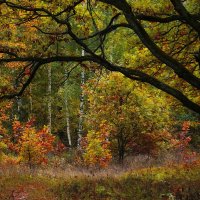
(16, 126)
(30, 144)
(182, 144)
(3, 117)
(35, 145)
(45, 140)
(183, 139)
(9, 160)
(186, 126)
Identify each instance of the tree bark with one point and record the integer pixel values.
(68, 122)
(31, 100)
(81, 110)
(49, 98)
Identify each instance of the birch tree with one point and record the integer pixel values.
(81, 114)
(165, 32)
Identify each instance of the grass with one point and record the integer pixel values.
(178, 182)
(24, 186)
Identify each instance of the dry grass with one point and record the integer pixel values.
(145, 177)
(59, 168)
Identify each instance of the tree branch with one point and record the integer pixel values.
(178, 6)
(25, 85)
(136, 26)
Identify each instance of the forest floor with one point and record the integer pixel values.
(174, 181)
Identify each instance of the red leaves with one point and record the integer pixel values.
(182, 144)
(183, 139)
(186, 127)
(59, 148)
(31, 145)
(16, 126)
(27, 72)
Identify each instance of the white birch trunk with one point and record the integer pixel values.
(81, 114)
(19, 105)
(68, 122)
(67, 114)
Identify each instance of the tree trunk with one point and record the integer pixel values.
(80, 125)
(121, 146)
(68, 123)
(49, 99)
(31, 101)
(19, 105)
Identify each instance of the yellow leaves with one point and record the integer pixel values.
(151, 6)
(97, 152)
(192, 6)
(31, 145)
(139, 110)
(10, 160)
(139, 58)
(3, 146)
(12, 44)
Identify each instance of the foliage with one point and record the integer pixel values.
(147, 42)
(4, 112)
(2, 149)
(181, 144)
(31, 145)
(96, 146)
(151, 43)
(138, 121)
(157, 183)
(35, 146)
(175, 182)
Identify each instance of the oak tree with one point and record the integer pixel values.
(167, 31)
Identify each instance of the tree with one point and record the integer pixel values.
(34, 146)
(133, 118)
(69, 94)
(31, 145)
(81, 112)
(96, 147)
(168, 30)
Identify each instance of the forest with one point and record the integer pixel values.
(100, 99)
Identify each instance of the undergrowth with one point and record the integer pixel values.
(177, 182)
